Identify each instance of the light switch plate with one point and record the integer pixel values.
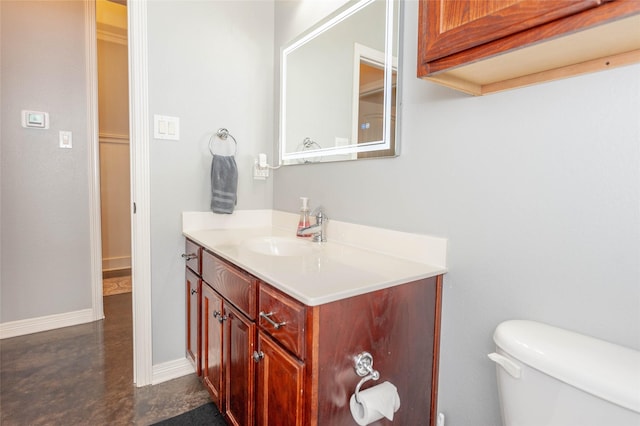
(66, 139)
(165, 127)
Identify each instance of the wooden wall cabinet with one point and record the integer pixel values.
(485, 46)
(269, 359)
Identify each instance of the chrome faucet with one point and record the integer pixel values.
(319, 229)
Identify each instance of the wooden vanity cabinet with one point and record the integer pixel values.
(268, 359)
(306, 354)
(455, 37)
(193, 287)
(229, 335)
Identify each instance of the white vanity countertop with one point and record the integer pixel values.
(326, 272)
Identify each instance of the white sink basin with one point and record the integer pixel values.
(278, 246)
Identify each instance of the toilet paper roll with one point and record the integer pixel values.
(375, 403)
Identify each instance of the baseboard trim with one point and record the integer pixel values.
(171, 370)
(46, 323)
(115, 263)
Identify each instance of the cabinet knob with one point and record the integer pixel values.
(221, 318)
(258, 356)
(189, 256)
(193, 291)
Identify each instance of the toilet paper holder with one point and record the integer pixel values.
(364, 368)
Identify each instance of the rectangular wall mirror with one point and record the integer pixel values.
(338, 88)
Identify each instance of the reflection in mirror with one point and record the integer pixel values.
(338, 86)
(368, 119)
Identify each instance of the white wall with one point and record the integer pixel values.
(45, 263)
(211, 64)
(537, 190)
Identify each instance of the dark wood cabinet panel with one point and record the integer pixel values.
(212, 335)
(280, 390)
(193, 256)
(237, 286)
(487, 46)
(283, 318)
(193, 308)
(399, 327)
(456, 25)
(239, 367)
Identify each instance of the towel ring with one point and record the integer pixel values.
(306, 145)
(223, 134)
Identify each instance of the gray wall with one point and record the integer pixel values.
(537, 190)
(45, 259)
(211, 64)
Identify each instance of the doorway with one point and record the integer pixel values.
(140, 189)
(113, 138)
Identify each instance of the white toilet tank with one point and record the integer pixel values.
(548, 376)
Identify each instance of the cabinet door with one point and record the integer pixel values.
(451, 26)
(239, 367)
(193, 290)
(212, 315)
(280, 386)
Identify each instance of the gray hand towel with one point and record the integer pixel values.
(224, 184)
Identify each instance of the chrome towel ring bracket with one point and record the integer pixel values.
(223, 134)
(307, 145)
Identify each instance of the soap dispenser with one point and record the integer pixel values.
(304, 217)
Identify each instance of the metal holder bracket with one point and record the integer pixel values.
(364, 368)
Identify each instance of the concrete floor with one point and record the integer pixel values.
(83, 375)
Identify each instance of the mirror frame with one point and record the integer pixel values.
(390, 65)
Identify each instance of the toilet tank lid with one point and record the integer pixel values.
(604, 369)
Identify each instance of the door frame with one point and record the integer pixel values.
(140, 191)
(93, 148)
(140, 185)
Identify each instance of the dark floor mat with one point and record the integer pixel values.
(206, 414)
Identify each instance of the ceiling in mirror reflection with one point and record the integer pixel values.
(338, 86)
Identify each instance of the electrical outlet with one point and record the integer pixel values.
(260, 173)
(262, 160)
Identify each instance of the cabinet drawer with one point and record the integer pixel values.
(283, 318)
(193, 254)
(236, 286)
